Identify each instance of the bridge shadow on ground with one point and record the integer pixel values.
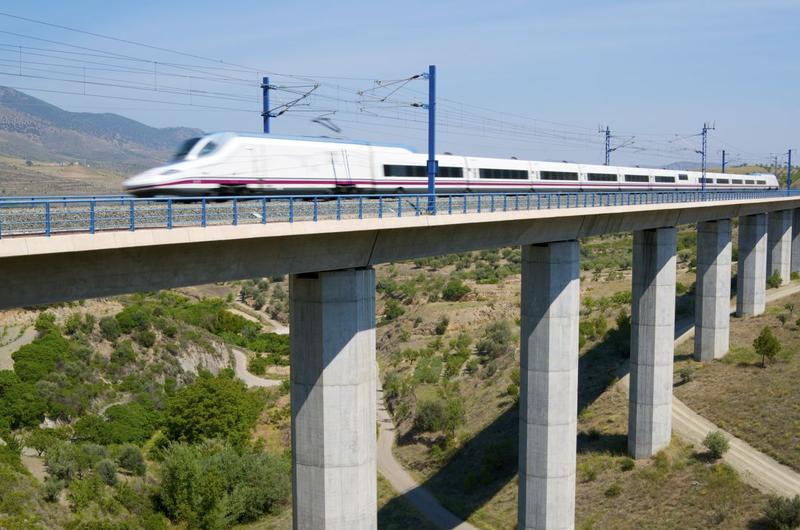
(477, 471)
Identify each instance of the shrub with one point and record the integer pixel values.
(455, 290)
(439, 415)
(392, 310)
(73, 323)
(717, 444)
(107, 471)
(123, 353)
(627, 464)
(783, 513)
(512, 390)
(497, 340)
(145, 338)
(133, 317)
(52, 489)
(130, 458)
(766, 345)
(38, 359)
(258, 365)
(774, 280)
(613, 490)
(686, 373)
(441, 325)
(795, 275)
(212, 407)
(83, 492)
(109, 328)
(428, 370)
(45, 322)
(215, 487)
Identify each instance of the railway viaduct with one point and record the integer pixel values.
(332, 290)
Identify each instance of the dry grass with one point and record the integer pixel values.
(758, 405)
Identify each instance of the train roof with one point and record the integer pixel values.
(322, 139)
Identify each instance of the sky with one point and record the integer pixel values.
(530, 79)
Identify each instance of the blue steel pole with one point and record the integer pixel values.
(432, 167)
(723, 160)
(265, 103)
(789, 174)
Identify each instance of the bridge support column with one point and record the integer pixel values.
(751, 277)
(713, 291)
(549, 385)
(333, 400)
(796, 240)
(779, 244)
(652, 338)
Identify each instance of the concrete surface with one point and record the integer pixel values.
(751, 278)
(652, 335)
(713, 290)
(779, 244)
(548, 385)
(796, 240)
(38, 269)
(332, 334)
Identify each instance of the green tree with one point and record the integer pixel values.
(717, 444)
(45, 322)
(497, 340)
(455, 290)
(766, 345)
(39, 359)
(783, 513)
(109, 328)
(107, 470)
(130, 457)
(212, 407)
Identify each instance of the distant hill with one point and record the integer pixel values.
(34, 129)
(684, 165)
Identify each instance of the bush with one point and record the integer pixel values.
(109, 328)
(51, 489)
(613, 490)
(258, 365)
(212, 407)
(130, 458)
(686, 373)
(73, 323)
(774, 280)
(215, 487)
(766, 345)
(795, 275)
(497, 340)
(455, 290)
(37, 360)
(441, 325)
(392, 310)
(783, 513)
(132, 318)
(627, 464)
(439, 415)
(123, 353)
(145, 338)
(717, 444)
(107, 471)
(45, 322)
(512, 390)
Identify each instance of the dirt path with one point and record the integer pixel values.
(6, 362)
(252, 381)
(257, 316)
(403, 482)
(756, 468)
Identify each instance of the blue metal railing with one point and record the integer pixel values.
(52, 215)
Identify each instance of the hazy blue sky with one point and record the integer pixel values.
(647, 68)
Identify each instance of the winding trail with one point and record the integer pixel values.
(6, 362)
(252, 381)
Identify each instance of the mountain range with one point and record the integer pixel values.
(36, 130)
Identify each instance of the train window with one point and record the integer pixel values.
(682, 176)
(558, 175)
(665, 179)
(736, 181)
(451, 172)
(517, 174)
(636, 178)
(707, 180)
(723, 181)
(207, 149)
(390, 170)
(749, 181)
(185, 147)
(761, 182)
(601, 177)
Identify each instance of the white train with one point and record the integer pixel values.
(236, 164)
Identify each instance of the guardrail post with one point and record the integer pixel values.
(491, 201)
(132, 215)
(91, 217)
(528, 199)
(263, 210)
(360, 207)
(478, 210)
(538, 201)
(399, 206)
(380, 206)
(291, 209)
(47, 218)
(204, 213)
(417, 206)
(449, 205)
(235, 212)
(315, 209)
(169, 214)
(338, 208)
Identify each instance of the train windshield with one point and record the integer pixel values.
(185, 147)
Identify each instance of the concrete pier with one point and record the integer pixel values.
(713, 290)
(332, 326)
(779, 244)
(751, 278)
(548, 385)
(796, 240)
(652, 338)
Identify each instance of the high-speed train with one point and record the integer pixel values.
(237, 164)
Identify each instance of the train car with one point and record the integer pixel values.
(223, 164)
